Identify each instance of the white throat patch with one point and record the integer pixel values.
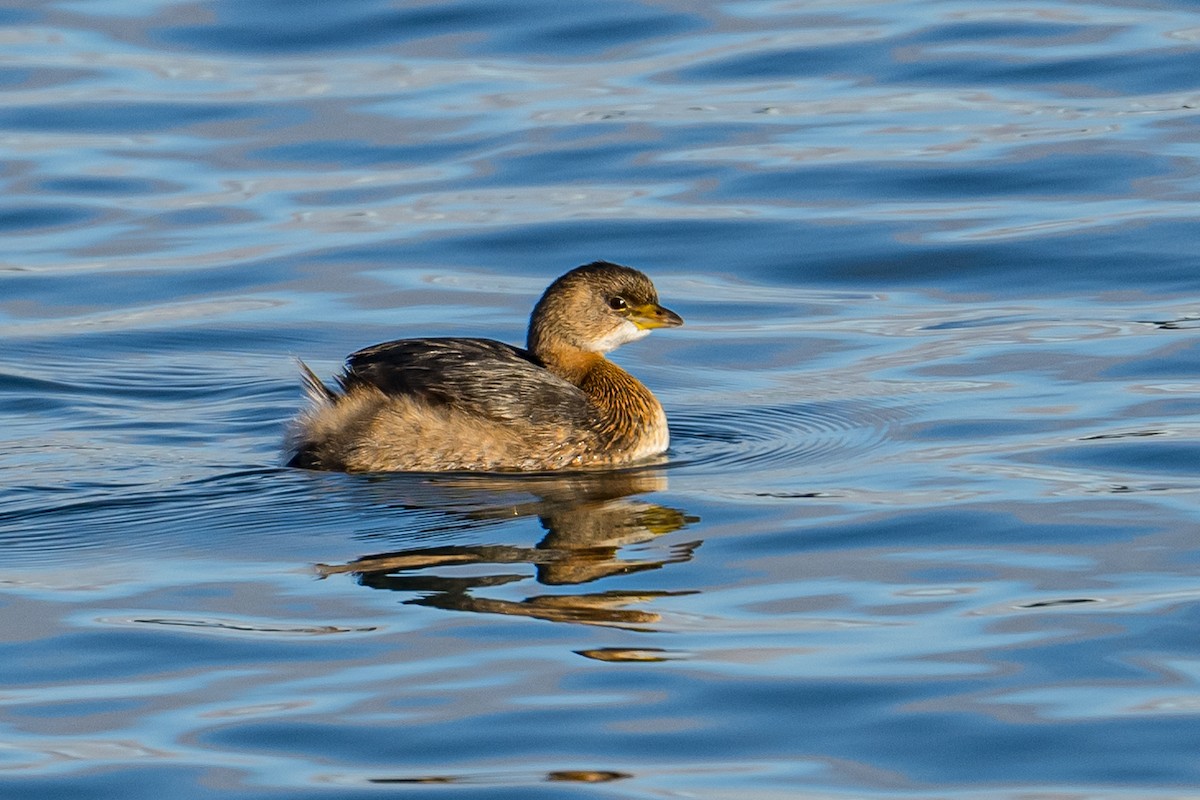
(627, 332)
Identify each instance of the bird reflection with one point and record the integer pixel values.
(588, 519)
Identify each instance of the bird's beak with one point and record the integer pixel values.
(652, 315)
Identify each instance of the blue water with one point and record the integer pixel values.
(928, 527)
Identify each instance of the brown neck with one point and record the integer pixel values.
(567, 362)
(626, 406)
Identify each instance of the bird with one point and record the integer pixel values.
(456, 404)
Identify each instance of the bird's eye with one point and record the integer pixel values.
(618, 304)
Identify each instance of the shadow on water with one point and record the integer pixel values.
(589, 521)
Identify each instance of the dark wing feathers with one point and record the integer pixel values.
(480, 376)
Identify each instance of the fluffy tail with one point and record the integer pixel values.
(314, 388)
(298, 439)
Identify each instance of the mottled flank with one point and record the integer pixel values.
(433, 405)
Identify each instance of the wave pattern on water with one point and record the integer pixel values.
(927, 529)
(794, 437)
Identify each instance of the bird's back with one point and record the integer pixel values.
(446, 404)
(481, 376)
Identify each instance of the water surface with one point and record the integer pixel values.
(928, 527)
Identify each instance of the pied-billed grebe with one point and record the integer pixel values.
(436, 405)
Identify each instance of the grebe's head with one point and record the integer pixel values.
(595, 308)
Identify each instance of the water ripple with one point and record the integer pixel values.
(928, 525)
(236, 627)
(794, 435)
